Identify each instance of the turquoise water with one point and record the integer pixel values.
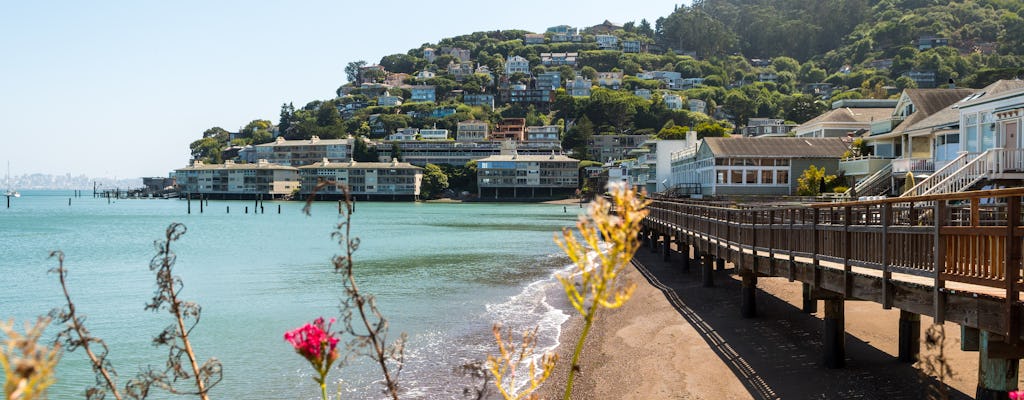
(443, 273)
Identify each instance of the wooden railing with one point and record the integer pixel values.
(971, 237)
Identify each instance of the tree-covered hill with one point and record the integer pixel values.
(731, 59)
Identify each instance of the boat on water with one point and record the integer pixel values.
(10, 191)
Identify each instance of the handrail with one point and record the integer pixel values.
(966, 175)
(946, 170)
(871, 181)
(969, 238)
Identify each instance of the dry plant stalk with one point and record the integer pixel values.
(28, 366)
(594, 281)
(935, 365)
(176, 336)
(504, 367)
(361, 319)
(75, 336)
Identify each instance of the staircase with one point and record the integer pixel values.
(875, 184)
(967, 170)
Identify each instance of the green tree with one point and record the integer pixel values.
(207, 150)
(217, 133)
(576, 139)
(434, 182)
(352, 70)
(361, 152)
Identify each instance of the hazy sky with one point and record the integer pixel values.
(121, 88)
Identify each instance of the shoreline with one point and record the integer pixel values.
(675, 339)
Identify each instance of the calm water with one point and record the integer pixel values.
(443, 273)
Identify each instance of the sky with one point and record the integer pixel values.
(120, 88)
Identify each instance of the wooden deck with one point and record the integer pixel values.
(953, 257)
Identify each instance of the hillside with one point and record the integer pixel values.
(709, 67)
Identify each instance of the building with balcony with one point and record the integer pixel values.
(297, 153)
(579, 87)
(754, 166)
(610, 80)
(423, 93)
(559, 59)
(607, 42)
(472, 131)
(546, 133)
(607, 148)
(533, 38)
(510, 129)
(260, 180)
(766, 127)
(549, 80)
(433, 134)
(517, 65)
(515, 176)
(423, 152)
(672, 101)
(652, 169)
(365, 180)
(478, 100)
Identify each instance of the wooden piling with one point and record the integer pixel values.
(910, 336)
(748, 301)
(997, 377)
(707, 270)
(834, 334)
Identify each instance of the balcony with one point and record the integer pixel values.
(863, 165)
(913, 165)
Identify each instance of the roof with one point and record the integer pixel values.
(360, 165)
(790, 147)
(851, 115)
(230, 165)
(928, 102)
(999, 89)
(520, 157)
(280, 141)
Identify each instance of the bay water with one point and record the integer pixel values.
(443, 273)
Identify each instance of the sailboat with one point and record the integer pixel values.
(10, 191)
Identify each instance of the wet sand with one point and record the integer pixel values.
(677, 340)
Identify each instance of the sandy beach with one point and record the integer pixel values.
(677, 340)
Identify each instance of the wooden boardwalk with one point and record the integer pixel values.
(953, 257)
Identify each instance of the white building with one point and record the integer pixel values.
(546, 133)
(607, 42)
(517, 64)
(579, 86)
(433, 134)
(238, 181)
(672, 101)
(472, 131)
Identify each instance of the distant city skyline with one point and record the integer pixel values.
(120, 89)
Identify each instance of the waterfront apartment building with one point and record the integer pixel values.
(297, 153)
(366, 180)
(516, 176)
(422, 152)
(237, 181)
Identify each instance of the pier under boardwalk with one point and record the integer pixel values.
(953, 257)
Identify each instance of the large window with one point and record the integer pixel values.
(752, 171)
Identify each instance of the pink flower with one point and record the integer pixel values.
(1017, 395)
(316, 343)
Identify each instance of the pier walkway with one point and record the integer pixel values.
(954, 257)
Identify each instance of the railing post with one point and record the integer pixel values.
(753, 240)
(1013, 258)
(790, 242)
(886, 271)
(771, 243)
(939, 298)
(816, 246)
(847, 269)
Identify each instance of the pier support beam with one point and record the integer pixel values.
(910, 336)
(834, 335)
(748, 301)
(652, 241)
(810, 304)
(707, 271)
(996, 376)
(684, 248)
(666, 247)
(719, 264)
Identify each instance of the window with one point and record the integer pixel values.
(736, 176)
(782, 177)
(721, 176)
(751, 177)
(766, 177)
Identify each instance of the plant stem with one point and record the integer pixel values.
(323, 387)
(588, 322)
